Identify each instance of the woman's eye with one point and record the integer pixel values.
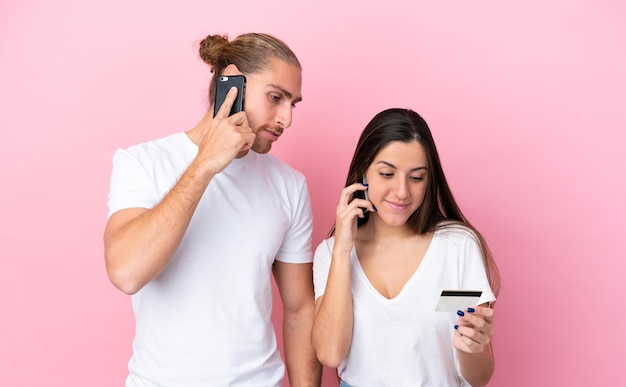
(386, 175)
(417, 178)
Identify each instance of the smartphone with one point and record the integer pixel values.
(224, 83)
(365, 195)
(361, 194)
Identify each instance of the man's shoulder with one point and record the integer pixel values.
(167, 142)
(172, 148)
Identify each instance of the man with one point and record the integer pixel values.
(199, 221)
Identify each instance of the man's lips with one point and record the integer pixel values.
(274, 133)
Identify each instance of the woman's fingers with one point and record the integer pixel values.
(474, 329)
(347, 197)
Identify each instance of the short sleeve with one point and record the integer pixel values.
(473, 269)
(321, 266)
(130, 185)
(296, 246)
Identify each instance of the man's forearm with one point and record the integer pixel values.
(138, 248)
(303, 369)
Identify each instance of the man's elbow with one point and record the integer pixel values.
(122, 277)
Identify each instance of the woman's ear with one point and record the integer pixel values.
(231, 69)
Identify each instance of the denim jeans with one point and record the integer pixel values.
(344, 384)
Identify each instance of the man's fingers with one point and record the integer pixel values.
(228, 103)
(239, 119)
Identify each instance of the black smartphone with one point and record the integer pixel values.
(224, 83)
(361, 194)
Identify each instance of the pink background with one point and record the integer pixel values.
(525, 99)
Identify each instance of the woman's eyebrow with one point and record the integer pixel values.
(394, 167)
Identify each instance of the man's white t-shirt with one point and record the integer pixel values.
(403, 341)
(206, 319)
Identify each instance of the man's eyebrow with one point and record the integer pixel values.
(394, 167)
(286, 93)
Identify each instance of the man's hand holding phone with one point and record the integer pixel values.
(225, 137)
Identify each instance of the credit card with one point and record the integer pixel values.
(453, 300)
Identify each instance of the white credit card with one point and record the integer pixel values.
(453, 300)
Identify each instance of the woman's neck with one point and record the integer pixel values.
(375, 230)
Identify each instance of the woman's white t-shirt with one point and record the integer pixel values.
(403, 341)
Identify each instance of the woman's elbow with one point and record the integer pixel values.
(329, 356)
(330, 361)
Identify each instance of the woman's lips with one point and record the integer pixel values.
(398, 206)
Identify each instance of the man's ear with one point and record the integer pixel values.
(231, 69)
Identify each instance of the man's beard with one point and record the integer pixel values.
(261, 146)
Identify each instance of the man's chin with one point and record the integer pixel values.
(242, 153)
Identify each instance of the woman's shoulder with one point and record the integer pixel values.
(327, 243)
(455, 230)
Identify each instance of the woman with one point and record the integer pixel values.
(399, 240)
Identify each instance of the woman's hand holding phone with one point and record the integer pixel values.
(349, 209)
